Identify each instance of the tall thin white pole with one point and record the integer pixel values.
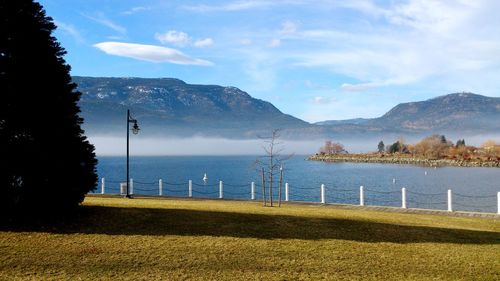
(323, 201)
(221, 190)
(190, 188)
(361, 196)
(403, 198)
(450, 209)
(103, 185)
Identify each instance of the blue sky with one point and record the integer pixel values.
(316, 60)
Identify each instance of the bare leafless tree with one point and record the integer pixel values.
(272, 163)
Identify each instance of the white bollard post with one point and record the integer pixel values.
(190, 188)
(286, 192)
(252, 190)
(498, 198)
(221, 190)
(160, 187)
(131, 190)
(450, 209)
(361, 196)
(103, 185)
(403, 198)
(323, 201)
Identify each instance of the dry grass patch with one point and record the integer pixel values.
(180, 239)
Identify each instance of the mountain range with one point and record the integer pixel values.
(171, 107)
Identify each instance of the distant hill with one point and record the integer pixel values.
(171, 107)
(167, 106)
(459, 113)
(355, 121)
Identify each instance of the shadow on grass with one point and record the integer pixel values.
(149, 221)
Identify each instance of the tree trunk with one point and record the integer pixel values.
(281, 187)
(263, 188)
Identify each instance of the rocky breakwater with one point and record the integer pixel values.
(389, 159)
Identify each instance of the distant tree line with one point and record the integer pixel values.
(331, 148)
(439, 147)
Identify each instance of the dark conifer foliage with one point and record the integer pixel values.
(48, 163)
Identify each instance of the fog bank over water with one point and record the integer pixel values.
(156, 146)
(107, 146)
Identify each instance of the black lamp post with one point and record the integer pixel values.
(135, 130)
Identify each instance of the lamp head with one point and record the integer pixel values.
(135, 128)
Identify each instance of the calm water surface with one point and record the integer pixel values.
(474, 189)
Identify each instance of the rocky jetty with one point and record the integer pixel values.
(388, 159)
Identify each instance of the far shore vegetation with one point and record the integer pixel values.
(432, 150)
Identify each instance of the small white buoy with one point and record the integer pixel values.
(425, 173)
(394, 181)
(435, 167)
(205, 178)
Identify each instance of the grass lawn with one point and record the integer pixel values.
(181, 239)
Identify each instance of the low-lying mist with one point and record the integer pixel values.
(158, 146)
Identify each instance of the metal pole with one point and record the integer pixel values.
(128, 176)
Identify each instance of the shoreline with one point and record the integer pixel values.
(361, 158)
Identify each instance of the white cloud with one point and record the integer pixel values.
(176, 38)
(149, 53)
(288, 27)
(274, 43)
(320, 100)
(103, 20)
(135, 10)
(243, 5)
(70, 30)
(207, 42)
(246, 42)
(420, 40)
(347, 87)
(230, 7)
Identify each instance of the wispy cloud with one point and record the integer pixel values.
(70, 30)
(419, 40)
(182, 39)
(246, 42)
(103, 20)
(274, 43)
(289, 27)
(322, 100)
(150, 53)
(242, 5)
(135, 10)
(202, 43)
(176, 38)
(230, 7)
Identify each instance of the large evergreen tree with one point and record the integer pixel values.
(47, 161)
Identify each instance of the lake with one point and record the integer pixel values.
(474, 189)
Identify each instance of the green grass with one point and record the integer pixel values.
(180, 239)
